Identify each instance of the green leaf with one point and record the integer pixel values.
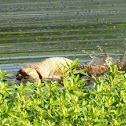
(75, 63)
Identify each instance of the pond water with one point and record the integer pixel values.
(32, 30)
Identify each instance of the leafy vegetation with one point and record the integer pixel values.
(50, 104)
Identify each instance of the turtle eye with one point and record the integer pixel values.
(18, 76)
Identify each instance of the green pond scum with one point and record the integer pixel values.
(69, 104)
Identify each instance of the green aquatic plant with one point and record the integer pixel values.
(51, 104)
(3, 74)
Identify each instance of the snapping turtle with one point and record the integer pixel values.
(50, 68)
(99, 66)
(53, 68)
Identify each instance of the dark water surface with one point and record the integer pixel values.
(32, 30)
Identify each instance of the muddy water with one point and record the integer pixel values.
(32, 30)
